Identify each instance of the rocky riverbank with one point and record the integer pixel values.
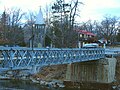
(52, 76)
(42, 82)
(59, 73)
(50, 84)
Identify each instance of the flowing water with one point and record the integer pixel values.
(26, 85)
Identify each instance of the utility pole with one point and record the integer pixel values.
(32, 36)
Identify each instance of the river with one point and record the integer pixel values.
(27, 85)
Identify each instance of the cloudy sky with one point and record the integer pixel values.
(25, 5)
(92, 9)
(95, 9)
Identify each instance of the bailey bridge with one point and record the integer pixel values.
(13, 58)
(83, 64)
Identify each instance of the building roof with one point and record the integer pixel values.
(39, 18)
(85, 32)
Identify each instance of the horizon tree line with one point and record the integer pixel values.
(60, 26)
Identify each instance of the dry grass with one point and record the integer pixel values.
(49, 73)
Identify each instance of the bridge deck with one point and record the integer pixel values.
(112, 52)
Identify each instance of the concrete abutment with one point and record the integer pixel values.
(95, 71)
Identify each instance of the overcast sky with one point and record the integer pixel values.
(93, 9)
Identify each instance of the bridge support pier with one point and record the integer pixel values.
(100, 71)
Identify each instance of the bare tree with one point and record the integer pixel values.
(15, 21)
(118, 34)
(11, 20)
(74, 11)
(62, 32)
(88, 26)
(107, 28)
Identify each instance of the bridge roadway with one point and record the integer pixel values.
(13, 58)
(112, 51)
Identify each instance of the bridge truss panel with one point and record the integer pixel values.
(19, 58)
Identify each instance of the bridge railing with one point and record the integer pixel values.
(17, 58)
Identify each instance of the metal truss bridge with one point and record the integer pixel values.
(13, 58)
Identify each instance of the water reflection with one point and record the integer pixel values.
(26, 85)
